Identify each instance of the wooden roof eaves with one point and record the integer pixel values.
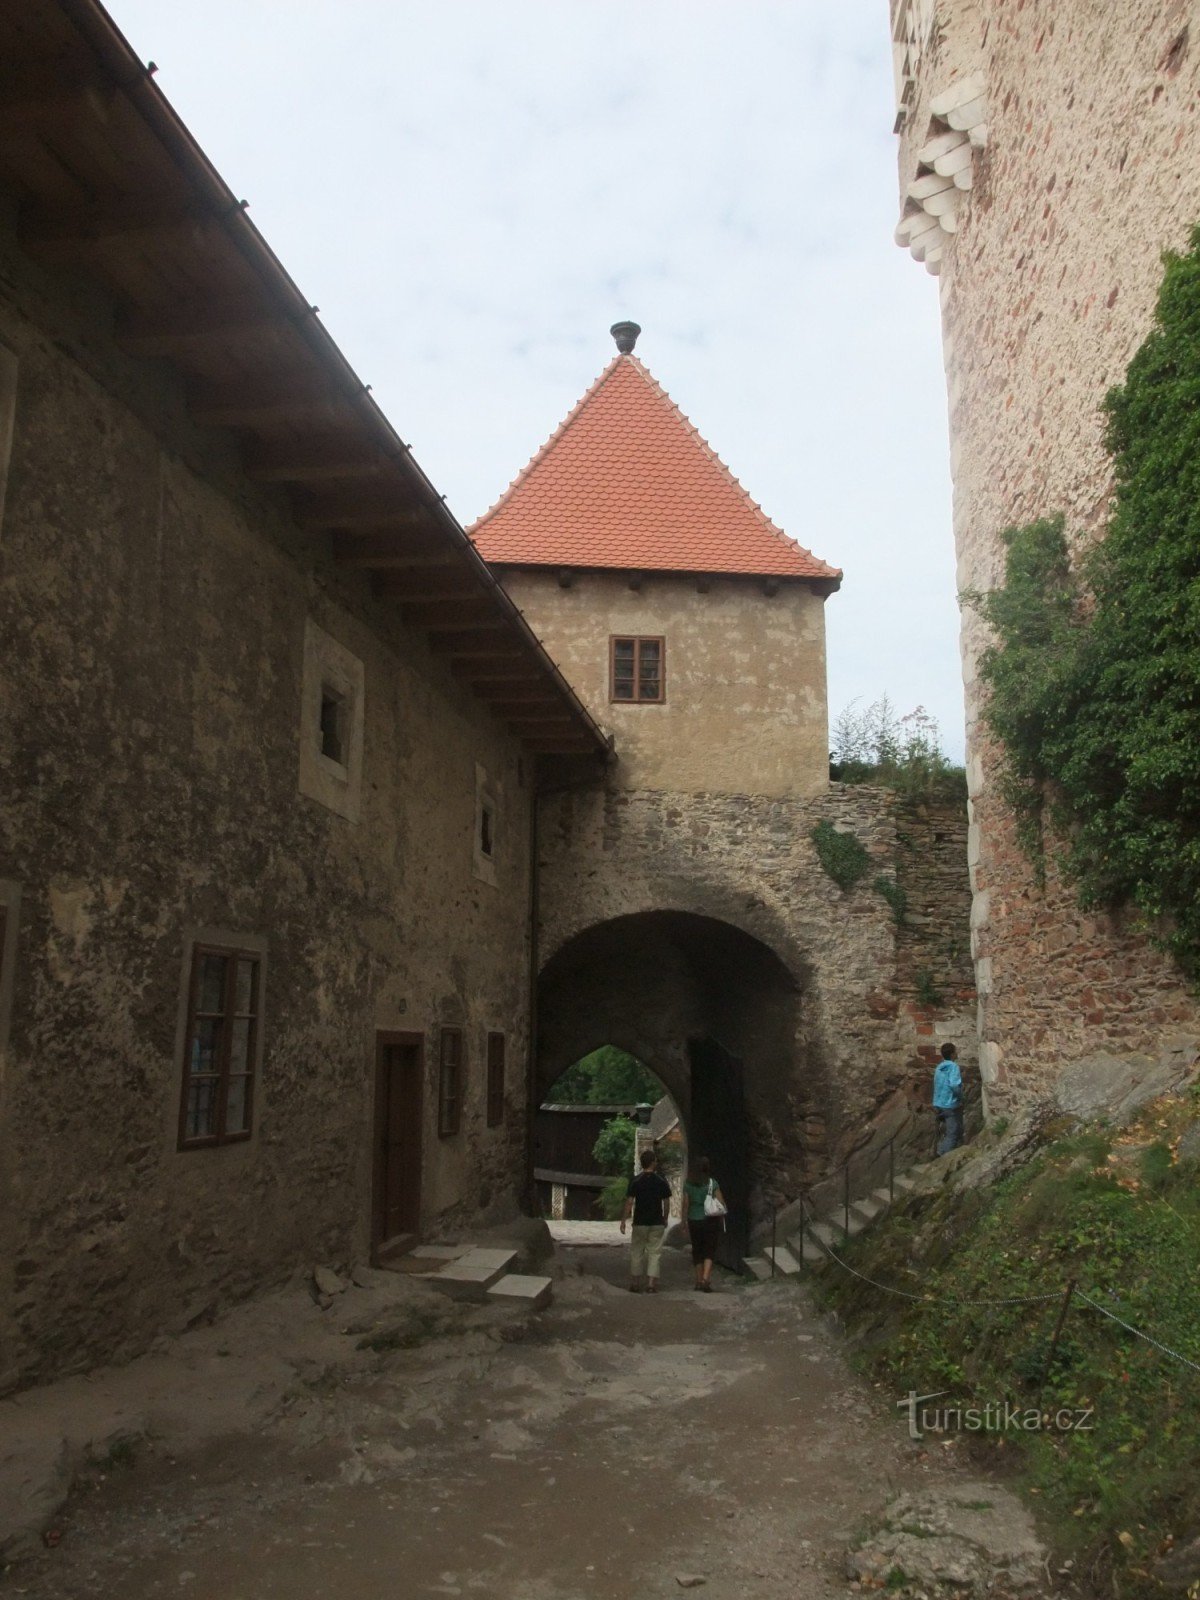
(136, 81)
(824, 586)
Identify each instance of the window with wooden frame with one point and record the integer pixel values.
(495, 1079)
(637, 671)
(221, 1047)
(450, 1082)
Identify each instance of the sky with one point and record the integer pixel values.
(472, 191)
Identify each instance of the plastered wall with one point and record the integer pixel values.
(745, 708)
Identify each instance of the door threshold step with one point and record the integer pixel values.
(470, 1275)
(522, 1289)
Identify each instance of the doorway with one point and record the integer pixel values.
(399, 1086)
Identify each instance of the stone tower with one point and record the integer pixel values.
(684, 914)
(1049, 154)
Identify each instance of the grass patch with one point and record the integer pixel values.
(1121, 1216)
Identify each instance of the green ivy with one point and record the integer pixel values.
(895, 896)
(843, 856)
(1094, 679)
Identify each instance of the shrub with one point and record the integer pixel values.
(843, 856)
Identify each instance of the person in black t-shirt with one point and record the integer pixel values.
(649, 1199)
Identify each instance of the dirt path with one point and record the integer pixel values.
(611, 1445)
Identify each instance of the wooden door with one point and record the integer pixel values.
(399, 1081)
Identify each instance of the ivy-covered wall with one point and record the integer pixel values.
(1091, 171)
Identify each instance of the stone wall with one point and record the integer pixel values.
(819, 994)
(154, 606)
(1089, 167)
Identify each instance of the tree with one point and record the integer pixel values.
(607, 1077)
(613, 1149)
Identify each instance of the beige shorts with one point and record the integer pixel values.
(645, 1250)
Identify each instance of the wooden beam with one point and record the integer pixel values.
(510, 694)
(518, 716)
(453, 616)
(244, 406)
(393, 552)
(479, 645)
(397, 517)
(425, 591)
(65, 235)
(578, 746)
(313, 462)
(61, 104)
(164, 334)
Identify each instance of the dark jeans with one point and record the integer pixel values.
(950, 1130)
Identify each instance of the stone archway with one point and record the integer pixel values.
(718, 1016)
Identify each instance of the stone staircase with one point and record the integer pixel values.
(799, 1240)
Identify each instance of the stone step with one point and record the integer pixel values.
(905, 1183)
(808, 1251)
(470, 1275)
(786, 1264)
(758, 1267)
(867, 1210)
(522, 1289)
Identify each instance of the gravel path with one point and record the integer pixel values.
(607, 1448)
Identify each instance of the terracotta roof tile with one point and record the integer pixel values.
(626, 482)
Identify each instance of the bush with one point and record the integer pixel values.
(876, 745)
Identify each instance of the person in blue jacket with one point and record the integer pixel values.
(948, 1100)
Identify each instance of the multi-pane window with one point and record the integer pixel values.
(495, 1079)
(450, 1081)
(637, 671)
(224, 1011)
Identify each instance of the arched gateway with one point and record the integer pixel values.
(710, 1009)
(683, 912)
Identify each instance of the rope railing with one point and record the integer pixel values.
(1067, 1294)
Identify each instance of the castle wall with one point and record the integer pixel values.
(155, 607)
(1091, 168)
(739, 663)
(836, 1021)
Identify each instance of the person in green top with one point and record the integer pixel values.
(703, 1231)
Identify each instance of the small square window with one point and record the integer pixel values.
(335, 720)
(450, 1082)
(637, 671)
(495, 1079)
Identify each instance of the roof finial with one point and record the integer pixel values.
(625, 333)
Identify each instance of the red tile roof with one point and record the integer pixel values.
(626, 482)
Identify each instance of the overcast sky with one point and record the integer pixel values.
(473, 190)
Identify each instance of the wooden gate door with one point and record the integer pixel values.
(399, 1082)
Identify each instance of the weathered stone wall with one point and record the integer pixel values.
(1091, 169)
(153, 607)
(745, 708)
(853, 1035)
